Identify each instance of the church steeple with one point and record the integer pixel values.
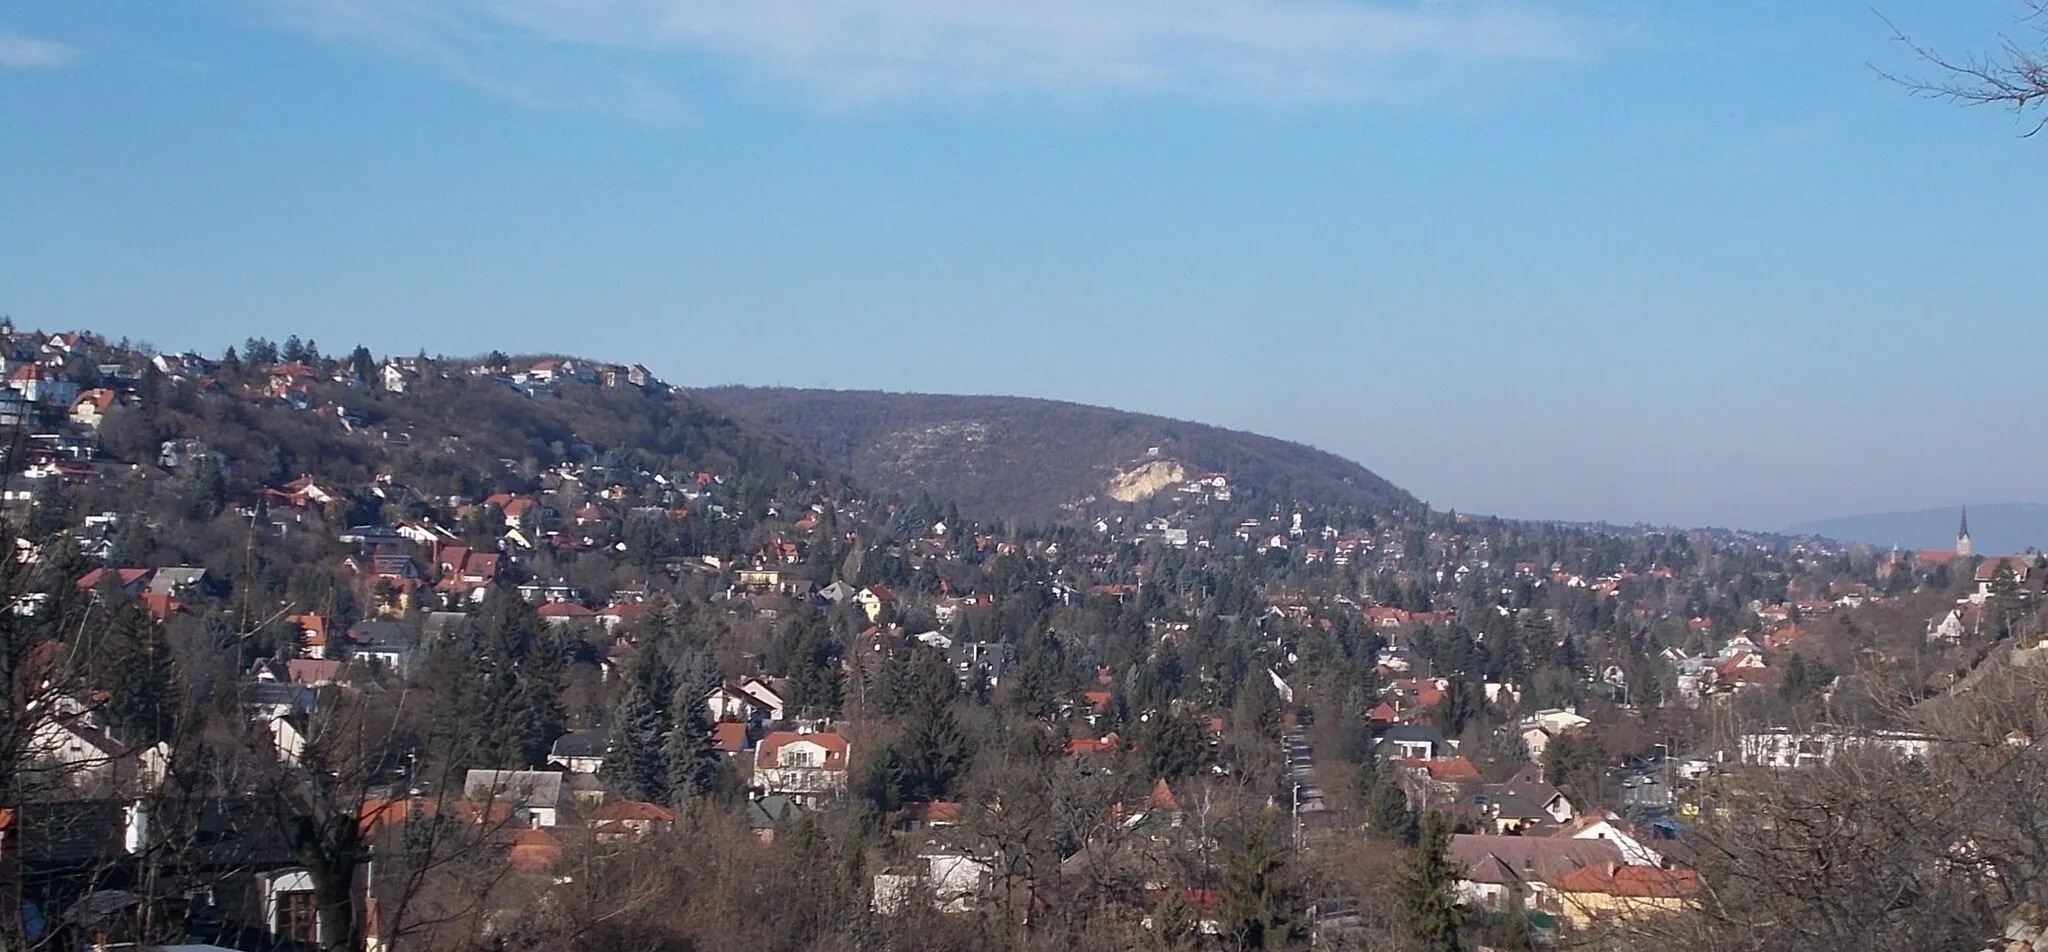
(1963, 536)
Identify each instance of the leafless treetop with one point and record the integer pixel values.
(2016, 75)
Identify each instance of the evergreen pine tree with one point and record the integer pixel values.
(1255, 899)
(1426, 887)
(1173, 920)
(635, 763)
(522, 660)
(694, 764)
(934, 748)
(1387, 809)
(134, 667)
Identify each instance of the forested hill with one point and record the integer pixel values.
(401, 440)
(1023, 458)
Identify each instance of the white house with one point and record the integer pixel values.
(1604, 825)
(535, 797)
(727, 702)
(72, 744)
(769, 697)
(810, 767)
(953, 882)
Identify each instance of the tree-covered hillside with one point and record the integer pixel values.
(1039, 460)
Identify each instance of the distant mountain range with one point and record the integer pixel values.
(1041, 460)
(1995, 529)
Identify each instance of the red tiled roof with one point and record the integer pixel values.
(1082, 745)
(127, 576)
(564, 610)
(162, 604)
(771, 746)
(729, 736)
(1449, 769)
(1162, 797)
(1642, 882)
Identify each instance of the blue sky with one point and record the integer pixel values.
(1681, 262)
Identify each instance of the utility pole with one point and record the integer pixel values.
(1297, 816)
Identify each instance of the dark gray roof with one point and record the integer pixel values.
(379, 633)
(1517, 808)
(1415, 733)
(772, 812)
(277, 694)
(587, 743)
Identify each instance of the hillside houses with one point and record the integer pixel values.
(509, 515)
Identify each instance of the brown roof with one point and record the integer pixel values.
(1531, 857)
(631, 810)
(312, 671)
(932, 811)
(1988, 569)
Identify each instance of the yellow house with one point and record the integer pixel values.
(1612, 892)
(877, 602)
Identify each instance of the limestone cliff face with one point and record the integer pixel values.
(1145, 479)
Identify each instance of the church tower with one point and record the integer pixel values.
(1963, 536)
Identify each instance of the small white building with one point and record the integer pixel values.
(1784, 748)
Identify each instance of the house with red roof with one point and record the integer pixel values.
(618, 613)
(304, 492)
(91, 406)
(1107, 744)
(130, 580)
(623, 819)
(1741, 671)
(1608, 892)
(810, 766)
(730, 737)
(1446, 770)
(1990, 570)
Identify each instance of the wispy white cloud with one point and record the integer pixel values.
(864, 51)
(21, 52)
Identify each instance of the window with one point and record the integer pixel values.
(297, 916)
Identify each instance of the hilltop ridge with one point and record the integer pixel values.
(1033, 459)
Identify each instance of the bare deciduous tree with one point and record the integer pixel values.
(2016, 75)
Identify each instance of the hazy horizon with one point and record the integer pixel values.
(1682, 263)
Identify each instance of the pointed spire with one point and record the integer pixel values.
(1963, 532)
